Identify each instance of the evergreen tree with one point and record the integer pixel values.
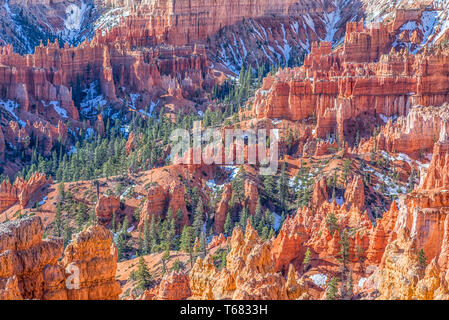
(198, 219)
(229, 225)
(307, 258)
(331, 223)
(282, 187)
(58, 221)
(143, 275)
(146, 238)
(243, 218)
(422, 258)
(165, 258)
(67, 234)
(332, 289)
(187, 241)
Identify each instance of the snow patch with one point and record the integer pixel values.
(319, 279)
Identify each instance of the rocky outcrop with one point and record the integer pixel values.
(355, 193)
(162, 198)
(29, 265)
(437, 176)
(106, 207)
(30, 268)
(402, 277)
(21, 191)
(222, 209)
(416, 133)
(94, 255)
(173, 286)
(358, 83)
(249, 273)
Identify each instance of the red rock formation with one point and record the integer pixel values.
(161, 198)
(30, 267)
(21, 191)
(106, 207)
(249, 272)
(320, 193)
(438, 172)
(130, 143)
(353, 84)
(355, 193)
(94, 254)
(174, 286)
(222, 209)
(29, 263)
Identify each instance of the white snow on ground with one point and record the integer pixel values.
(385, 118)
(61, 111)
(234, 171)
(55, 104)
(124, 130)
(111, 18)
(134, 97)
(392, 187)
(10, 106)
(319, 279)
(152, 106)
(75, 16)
(361, 282)
(431, 18)
(92, 102)
(74, 21)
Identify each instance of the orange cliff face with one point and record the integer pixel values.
(174, 286)
(30, 268)
(360, 82)
(420, 222)
(178, 22)
(249, 274)
(21, 191)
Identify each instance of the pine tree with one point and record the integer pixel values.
(125, 227)
(350, 286)
(187, 241)
(58, 221)
(307, 258)
(114, 219)
(146, 237)
(140, 244)
(269, 186)
(331, 223)
(332, 289)
(153, 235)
(229, 225)
(198, 219)
(422, 258)
(282, 186)
(67, 234)
(343, 255)
(202, 244)
(243, 218)
(143, 275)
(120, 244)
(165, 258)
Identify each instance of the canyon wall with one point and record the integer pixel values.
(30, 267)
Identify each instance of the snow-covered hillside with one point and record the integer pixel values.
(432, 23)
